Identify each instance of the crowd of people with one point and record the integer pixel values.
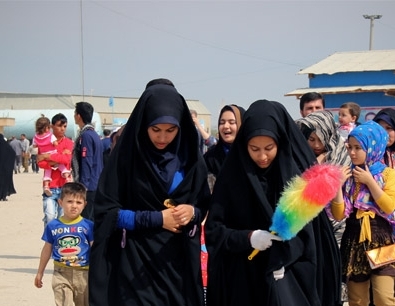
(159, 212)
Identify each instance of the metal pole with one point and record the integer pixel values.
(82, 53)
(372, 18)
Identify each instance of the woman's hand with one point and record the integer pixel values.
(321, 158)
(169, 223)
(183, 213)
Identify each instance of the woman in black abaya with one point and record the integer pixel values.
(229, 122)
(152, 196)
(296, 272)
(7, 159)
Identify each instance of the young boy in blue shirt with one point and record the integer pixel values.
(68, 240)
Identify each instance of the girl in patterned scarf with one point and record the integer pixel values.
(367, 200)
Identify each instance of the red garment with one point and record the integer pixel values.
(64, 148)
(203, 257)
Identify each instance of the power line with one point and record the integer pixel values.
(207, 44)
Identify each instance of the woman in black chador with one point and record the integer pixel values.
(152, 196)
(268, 151)
(7, 160)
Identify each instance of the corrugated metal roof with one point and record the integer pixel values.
(100, 103)
(388, 89)
(121, 104)
(372, 60)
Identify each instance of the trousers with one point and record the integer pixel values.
(382, 288)
(70, 286)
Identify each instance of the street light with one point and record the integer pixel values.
(372, 18)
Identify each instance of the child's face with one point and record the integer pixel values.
(345, 116)
(72, 206)
(357, 154)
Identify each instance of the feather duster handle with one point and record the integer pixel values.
(303, 199)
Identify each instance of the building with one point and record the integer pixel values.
(112, 111)
(364, 77)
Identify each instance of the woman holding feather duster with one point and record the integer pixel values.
(268, 152)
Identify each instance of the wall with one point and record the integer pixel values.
(385, 77)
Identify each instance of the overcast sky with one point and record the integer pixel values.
(218, 52)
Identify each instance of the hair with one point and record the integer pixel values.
(159, 81)
(42, 124)
(370, 114)
(310, 96)
(85, 110)
(59, 117)
(353, 108)
(106, 132)
(74, 189)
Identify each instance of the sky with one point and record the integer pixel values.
(218, 52)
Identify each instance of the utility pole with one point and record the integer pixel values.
(372, 18)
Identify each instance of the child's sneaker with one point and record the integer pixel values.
(69, 179)
(47, 191)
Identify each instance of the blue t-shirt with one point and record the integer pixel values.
(70, 241)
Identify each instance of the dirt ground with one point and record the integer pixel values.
(21, 228)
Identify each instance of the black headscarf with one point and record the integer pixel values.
(7, 160)
(156, 267)
(387, 115)
(244, 200)
(215, 156)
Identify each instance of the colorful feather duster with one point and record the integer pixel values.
(303, 199)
